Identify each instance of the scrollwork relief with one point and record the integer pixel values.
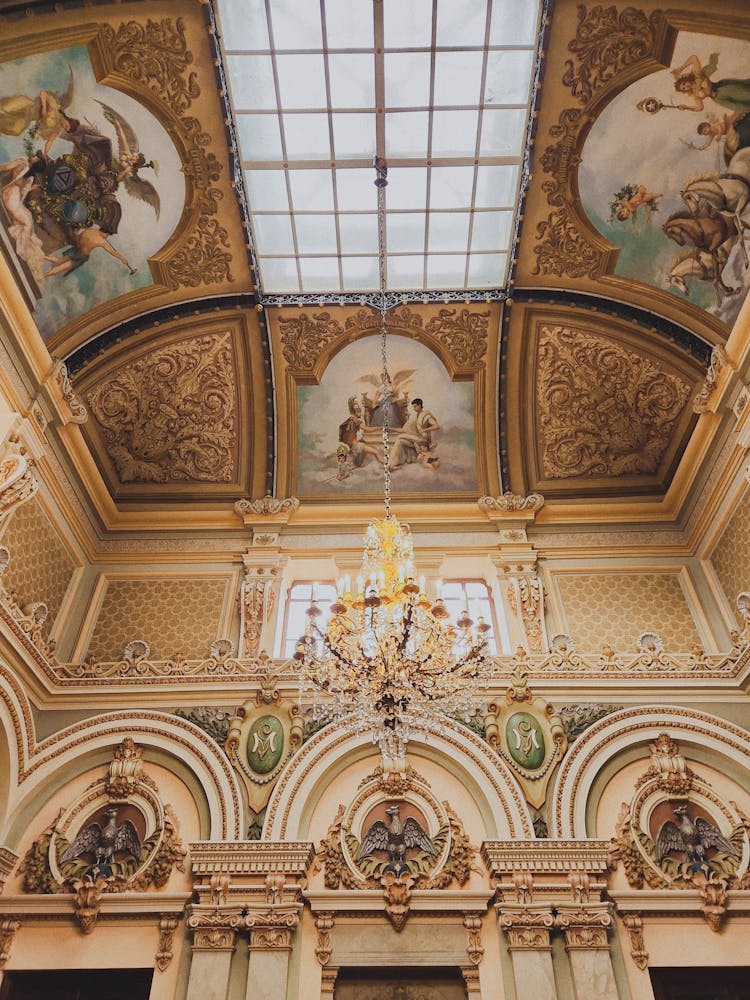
(604, 410)
(172, 415)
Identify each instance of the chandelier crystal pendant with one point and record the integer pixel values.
(389, 661)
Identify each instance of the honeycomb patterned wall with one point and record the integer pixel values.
(731, 557)
(172, 616)
(617, 609)
(40, 565)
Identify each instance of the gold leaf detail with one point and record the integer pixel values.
(463, 332)
(172, 414)
(605, 411)
(303, 337)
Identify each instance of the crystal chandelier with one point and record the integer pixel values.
(389, 662)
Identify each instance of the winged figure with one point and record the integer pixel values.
(105, 841)
(395, 838)
(694, 837)
(130, 160)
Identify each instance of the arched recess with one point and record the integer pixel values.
(623, 733)
(482, 772)
(173, 742)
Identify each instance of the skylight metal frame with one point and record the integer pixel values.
(452, 292)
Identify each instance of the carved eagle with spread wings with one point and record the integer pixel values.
(692, 837)
(105, 841)
(395, 837)
(130, 160)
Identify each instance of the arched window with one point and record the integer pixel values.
(298, 599)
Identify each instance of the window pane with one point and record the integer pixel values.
(502, 132)
(349, 24)
(360, 273)
(273, 234)
(354, 136)
(406, 272)
(266, 190)
(446, 271)
(251, 81)
(355, 190)
(243, 24)
(359, 233)
(260, 137)
(316, 234)
(406, 134)
(301, 81)
(407, 79)
(458, 76)
(320, 274)
(491, 230)
(405, 232)
(279, 274)
(488, 270)
(454, 133)
(514, 22)
(352, 80)
(296, 25)
(496, 186)
(449, 232)
(461, 24)
(407, 24)
(508, 77)
(306, 137)
(450, 187)
(312, 190)
(407, 188)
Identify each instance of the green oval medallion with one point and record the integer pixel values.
(265, 744)
(525, 740)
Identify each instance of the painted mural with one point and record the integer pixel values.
(340, 424)
(665, 174)
(90, 185)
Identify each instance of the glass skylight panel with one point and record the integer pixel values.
(449, 231)
(502, 132)
(312, 190)
(279, 274)
(260, 136)
(407, 79)
(316, 234)
(461, 23)
(244, 24)
(353, 136)
(491, 230)
(405, 232)
(251, 80)
(406, 134)
(320, 273)
(306, 137)
(450, 187)
(355, 191)
(273, 233)
(454, 133)
(458, 78)
(296, 25)
(360, 273)
(487, 270)
(508, 77)
(514, 22)
(352, 79)
(496, 186)
(267, 191)
(303, 80)
(406, 272)
(349, 24)
(407, 23)
(358, 233)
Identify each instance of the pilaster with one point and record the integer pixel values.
(527, 930)
(586, 940)
(214, 940)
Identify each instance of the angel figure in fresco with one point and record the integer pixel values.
(629, 199)
(45, 115)
(130, 160)
(730, 133)
(693, 80)
(391, 401)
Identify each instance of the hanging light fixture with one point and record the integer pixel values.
(389, 661)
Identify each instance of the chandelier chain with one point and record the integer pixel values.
(381, 183)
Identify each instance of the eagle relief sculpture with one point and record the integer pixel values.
(105, 841)
(693, 838)
(395, 838)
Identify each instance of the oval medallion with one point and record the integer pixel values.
(525, 740)
(265, 744)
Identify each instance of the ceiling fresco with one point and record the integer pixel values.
(126, 221)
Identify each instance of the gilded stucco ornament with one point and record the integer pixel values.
(18, 484)
(677, 833)
(263, 735)
(171, 415)
(395, 841)
(528, 734)
(116, 836)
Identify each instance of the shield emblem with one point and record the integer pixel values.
(525, 740)
(265, 744)
(63, 178)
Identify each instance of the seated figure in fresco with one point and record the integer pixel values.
(415, 442)
(351, 433)
(694, 79)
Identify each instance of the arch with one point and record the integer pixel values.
(623, 731)
(317, 765)
(89, 743)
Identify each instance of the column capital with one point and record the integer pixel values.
(527, 928)
(271, 927)
(584, 928)
(214, 928)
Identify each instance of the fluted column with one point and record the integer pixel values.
(527, 930)
(214, 940)
(271, 932)
(586, 941)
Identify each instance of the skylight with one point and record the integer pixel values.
(439, 88)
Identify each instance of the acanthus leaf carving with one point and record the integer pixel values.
(607, 41)
(512, 502)
(604, 410)
(164, 953)
(304, 336)
(8, 928)
(172, 414)
(463, 332)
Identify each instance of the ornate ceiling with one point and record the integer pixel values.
(577, 380)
